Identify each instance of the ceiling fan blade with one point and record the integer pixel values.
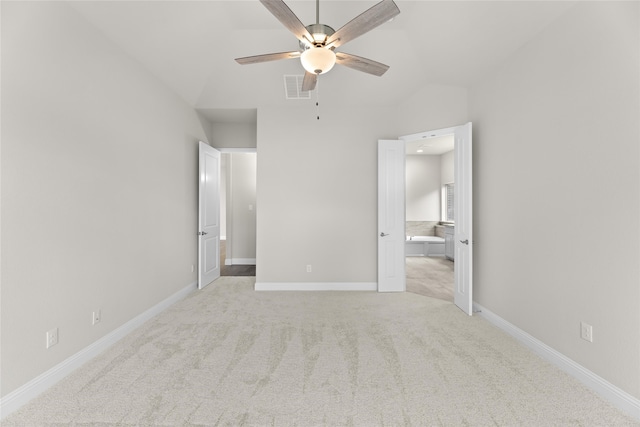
(309, 81)
(361, 64)
(280, 10)
(365, 22)
(267, 57)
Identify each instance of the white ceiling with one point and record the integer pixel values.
(430, 146)
(191, 46)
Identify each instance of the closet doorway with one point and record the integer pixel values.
(238, 212)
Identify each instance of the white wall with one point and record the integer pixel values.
(425, 176)
(433, 107)
(233, 135)
(557, 189)
(447, 170)
(317, 193)
(99, 174)
(422, 190)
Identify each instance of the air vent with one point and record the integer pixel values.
(293, 88)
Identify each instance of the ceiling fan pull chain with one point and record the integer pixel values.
(318, 98)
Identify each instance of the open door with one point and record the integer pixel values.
(463, 208)
(391, 221)
(208, 215)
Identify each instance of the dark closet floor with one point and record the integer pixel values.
(233, 270)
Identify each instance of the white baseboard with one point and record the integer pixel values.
(17, 398)
(316, 286)
(241, 261)
(617, 397)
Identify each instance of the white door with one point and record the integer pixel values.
(391, 221)
(208, 215)
(463, 211)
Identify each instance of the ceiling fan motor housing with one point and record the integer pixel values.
(320, 34)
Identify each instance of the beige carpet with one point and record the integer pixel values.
(230, 356)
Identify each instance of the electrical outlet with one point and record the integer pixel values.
(309, 268)
(97, 316)
(586, 331)
(52, 337)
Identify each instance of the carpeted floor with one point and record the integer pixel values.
(230, 356)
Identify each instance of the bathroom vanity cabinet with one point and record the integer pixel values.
(449, 242)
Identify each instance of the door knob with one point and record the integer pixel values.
(466, 241)
(202, 233)
(383, 234)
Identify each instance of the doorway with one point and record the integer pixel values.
(238, 212)
(429, 215)
(391, 214)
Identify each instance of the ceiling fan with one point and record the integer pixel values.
(318, 41)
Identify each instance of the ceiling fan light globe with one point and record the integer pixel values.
(318, 60)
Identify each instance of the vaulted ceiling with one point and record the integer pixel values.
(191, 46)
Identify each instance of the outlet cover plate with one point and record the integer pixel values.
(52, 337)
(586, 331)
(97, 316)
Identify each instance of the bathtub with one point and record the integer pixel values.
(424, 246)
